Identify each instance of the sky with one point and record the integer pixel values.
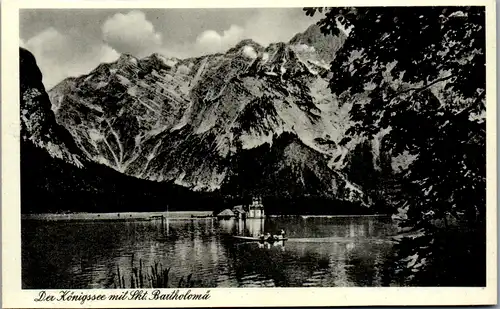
(72, 42)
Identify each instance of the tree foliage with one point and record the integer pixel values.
(422, 72)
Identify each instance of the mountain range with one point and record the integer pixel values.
(251, 121)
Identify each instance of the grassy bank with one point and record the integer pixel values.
(155, 276)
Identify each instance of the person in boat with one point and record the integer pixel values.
(268, 237)
(279, 236)
(261, 238)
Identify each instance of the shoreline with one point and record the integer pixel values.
(119, 216)
(151, 216)
(342, 216)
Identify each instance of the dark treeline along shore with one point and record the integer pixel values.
(98, 188)
(369, 111)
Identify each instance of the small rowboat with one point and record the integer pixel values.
(246, 238)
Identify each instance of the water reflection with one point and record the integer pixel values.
(320, 252)
(227, 225)
(240, 226)
(255, 227)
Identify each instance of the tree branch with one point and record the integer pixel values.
(418, 89)
(471, 106)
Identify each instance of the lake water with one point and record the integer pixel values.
(326, 252)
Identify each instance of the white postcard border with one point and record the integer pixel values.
(14, 297)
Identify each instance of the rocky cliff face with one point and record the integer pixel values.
(202, 122)
(38, 124)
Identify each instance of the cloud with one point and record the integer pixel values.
(60, 55)
(63, 55)
(131, 33)
(107, 54)
(48, 42)
(64, 52)
(211, 41)
(276, 25)
(265, 27)
(249, 51)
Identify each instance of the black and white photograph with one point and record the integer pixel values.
(253, 147)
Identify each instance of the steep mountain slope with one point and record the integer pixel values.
(56, 175)
(195, 121)
(38, 124)
(314, 43)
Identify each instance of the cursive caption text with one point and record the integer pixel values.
(84, 297)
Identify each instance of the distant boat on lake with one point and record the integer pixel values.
(270, 240)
